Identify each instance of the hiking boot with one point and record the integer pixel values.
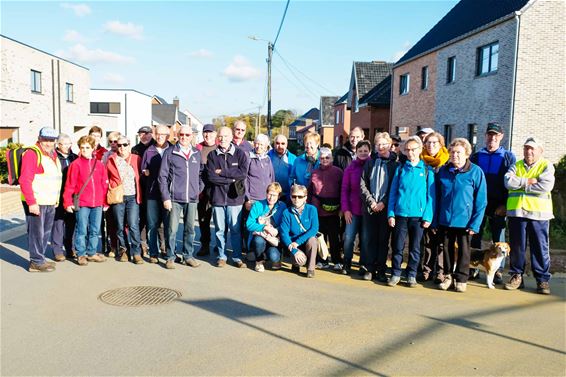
(203, 251)
(60, 258)
(543, 288)
(412, 282)
(170, 264)
(498, 278)
(439, 278)
(45, 267)
(82, 261)
(122, 254)
(220, 263)
(460, 287)
(516, 282)
(192, 262)
(259, 267)
(112, 253)
(393, 280)
(310, 274)
(137, 259)
(98, 258)
(446, 283)
(153, 260)
(240, 264)
(276, 266)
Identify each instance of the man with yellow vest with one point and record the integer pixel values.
(40, 183)
(529, 210)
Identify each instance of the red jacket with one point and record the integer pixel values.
(94, 194)
(99, 152)
(29, 170)
(114, 178)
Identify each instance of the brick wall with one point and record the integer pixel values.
(370, 119)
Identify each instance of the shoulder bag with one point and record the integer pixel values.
(76, 197)
(322, 246)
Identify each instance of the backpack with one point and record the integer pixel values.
(14, 162)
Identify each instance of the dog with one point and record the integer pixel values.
(490, 259)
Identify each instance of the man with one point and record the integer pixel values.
(64, 222)
(423, 133)
(238, 137)
(282, 161)
(40, 182)
(344, 156)
(204, 208)
(226, 171)
(145, 135)
(156, 213)
(181, 183)
(495, 161)
(529, 209)
(96, 133)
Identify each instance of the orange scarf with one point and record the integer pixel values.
(435, 161)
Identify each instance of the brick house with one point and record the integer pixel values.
(341, 121)
(482, 62)
(326, 119)
(305, 123)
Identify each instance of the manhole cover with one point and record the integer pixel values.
(139, 296)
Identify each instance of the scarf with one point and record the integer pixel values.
(435, 161)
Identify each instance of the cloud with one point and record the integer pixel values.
(79, 9)
(129, 29)
(113, 78)
(399, 54)
(241, 70)
(73, 36)
(202, 53)
(82, 54)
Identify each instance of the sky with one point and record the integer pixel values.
(200, 51)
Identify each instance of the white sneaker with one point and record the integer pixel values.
(259, 267)
(338, 267)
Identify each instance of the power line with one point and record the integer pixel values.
(310, 92)
(289, 65)
(281, 23)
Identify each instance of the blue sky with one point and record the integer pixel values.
(200, 50)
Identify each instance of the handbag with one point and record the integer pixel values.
(264, 220)
(322, 246)
(115, 195)
(76, 197)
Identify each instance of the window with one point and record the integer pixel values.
(105, 107)
(473, 135)
(69, 92)
(337, 117)
(487, 59)
(451, 70)
(404, 82)
(448, 133)
(424, 78)
(35, 81)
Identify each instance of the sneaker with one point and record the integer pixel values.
(543, 288)
(203, 251)
(98, 258)
(412, 282)
(259, 267)
(60, 258)
(192, 262)
(82, 261)
(338, 267)
(393, 280)
(153, 260)
(460, 287)
(276, 266)
(498, 278)
(310, 274)
(367, 275)
(137, 259)
(239, 264)
(446, 283)
(381, 277)
(516, 282)
(170, 264)
(362, 271)
(45, 267)
(346, 270)
(220, 263)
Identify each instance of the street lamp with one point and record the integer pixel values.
(269, 55)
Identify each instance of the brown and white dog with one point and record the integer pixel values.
(490, 259)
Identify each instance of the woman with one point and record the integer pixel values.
(298, 229)
(124, 169)
(434, 155)
(410, 209)
(324, 194)
(351, 201)
(461, 198)
(88, 179)
(307, 162)
(374, 186)
(262, 223)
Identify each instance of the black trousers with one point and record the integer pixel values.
(330, 227)
(456, 253)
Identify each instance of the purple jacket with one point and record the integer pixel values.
(180, 176)
(351, 199)
(151, 161)
(260, 175)
(227, 188)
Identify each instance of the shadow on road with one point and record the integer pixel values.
(11, 256)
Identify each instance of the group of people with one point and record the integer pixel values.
(437, 198)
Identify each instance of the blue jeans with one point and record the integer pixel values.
(228, 218)
(260, 246)
(537, 232)
(128, 210)
(352, 229)
(189, 213)
(86, 230)
(156, 215)
(412, 227)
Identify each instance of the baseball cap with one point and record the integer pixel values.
(208, 128)
(145, 130)
(493, 128)
(426, 130)
(48, 133)
(533, 142)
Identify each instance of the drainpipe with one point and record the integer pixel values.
(514, 80)
(59, 92)
(126, 114)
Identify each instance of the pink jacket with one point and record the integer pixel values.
(351, 199)
(325, 183)
(94, 194)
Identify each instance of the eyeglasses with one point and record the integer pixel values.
(240, 129)
(162, 134)
(430, 142)
(187, 135)
(297, 196)
(123, 145)
(112, 141)
(325, 158)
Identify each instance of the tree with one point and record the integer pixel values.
(283, 118)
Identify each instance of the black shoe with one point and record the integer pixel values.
(295, 269)
(381, 277)
(203, 251)
(346, 270)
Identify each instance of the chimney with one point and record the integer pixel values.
(176, 102)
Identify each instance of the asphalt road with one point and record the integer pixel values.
(238, 322)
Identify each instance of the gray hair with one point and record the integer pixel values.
(124, 137)
(62, 137)
(262, 138)
(413, 139)
(298, 188)
(280, 136)
(324, 151)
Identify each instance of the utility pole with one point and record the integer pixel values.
(269, 55)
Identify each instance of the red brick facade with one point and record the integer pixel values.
(371, 120)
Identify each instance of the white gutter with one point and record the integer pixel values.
(514, 79)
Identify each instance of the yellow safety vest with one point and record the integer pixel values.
(47, 186)
(538, 205)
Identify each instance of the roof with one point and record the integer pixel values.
(380, 95)
(161, 100)
(313, 114)
(368, 74)
(327, 109)
(122, 90)
(342, 99)
(165, 113)
(465, 17)
(305, 129)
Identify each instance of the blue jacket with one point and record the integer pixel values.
(290, 229)
(282, 166)
(225, 186)
(151, 162)
(412, 192)
(261, 208)
(180, 177)
(494, 166)
(260, 175)
(302, 170)
(461, 197)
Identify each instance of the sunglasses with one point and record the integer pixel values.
(123, 145)
(240, 129)
(297, 196)
(186, 135)
(112, 141)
